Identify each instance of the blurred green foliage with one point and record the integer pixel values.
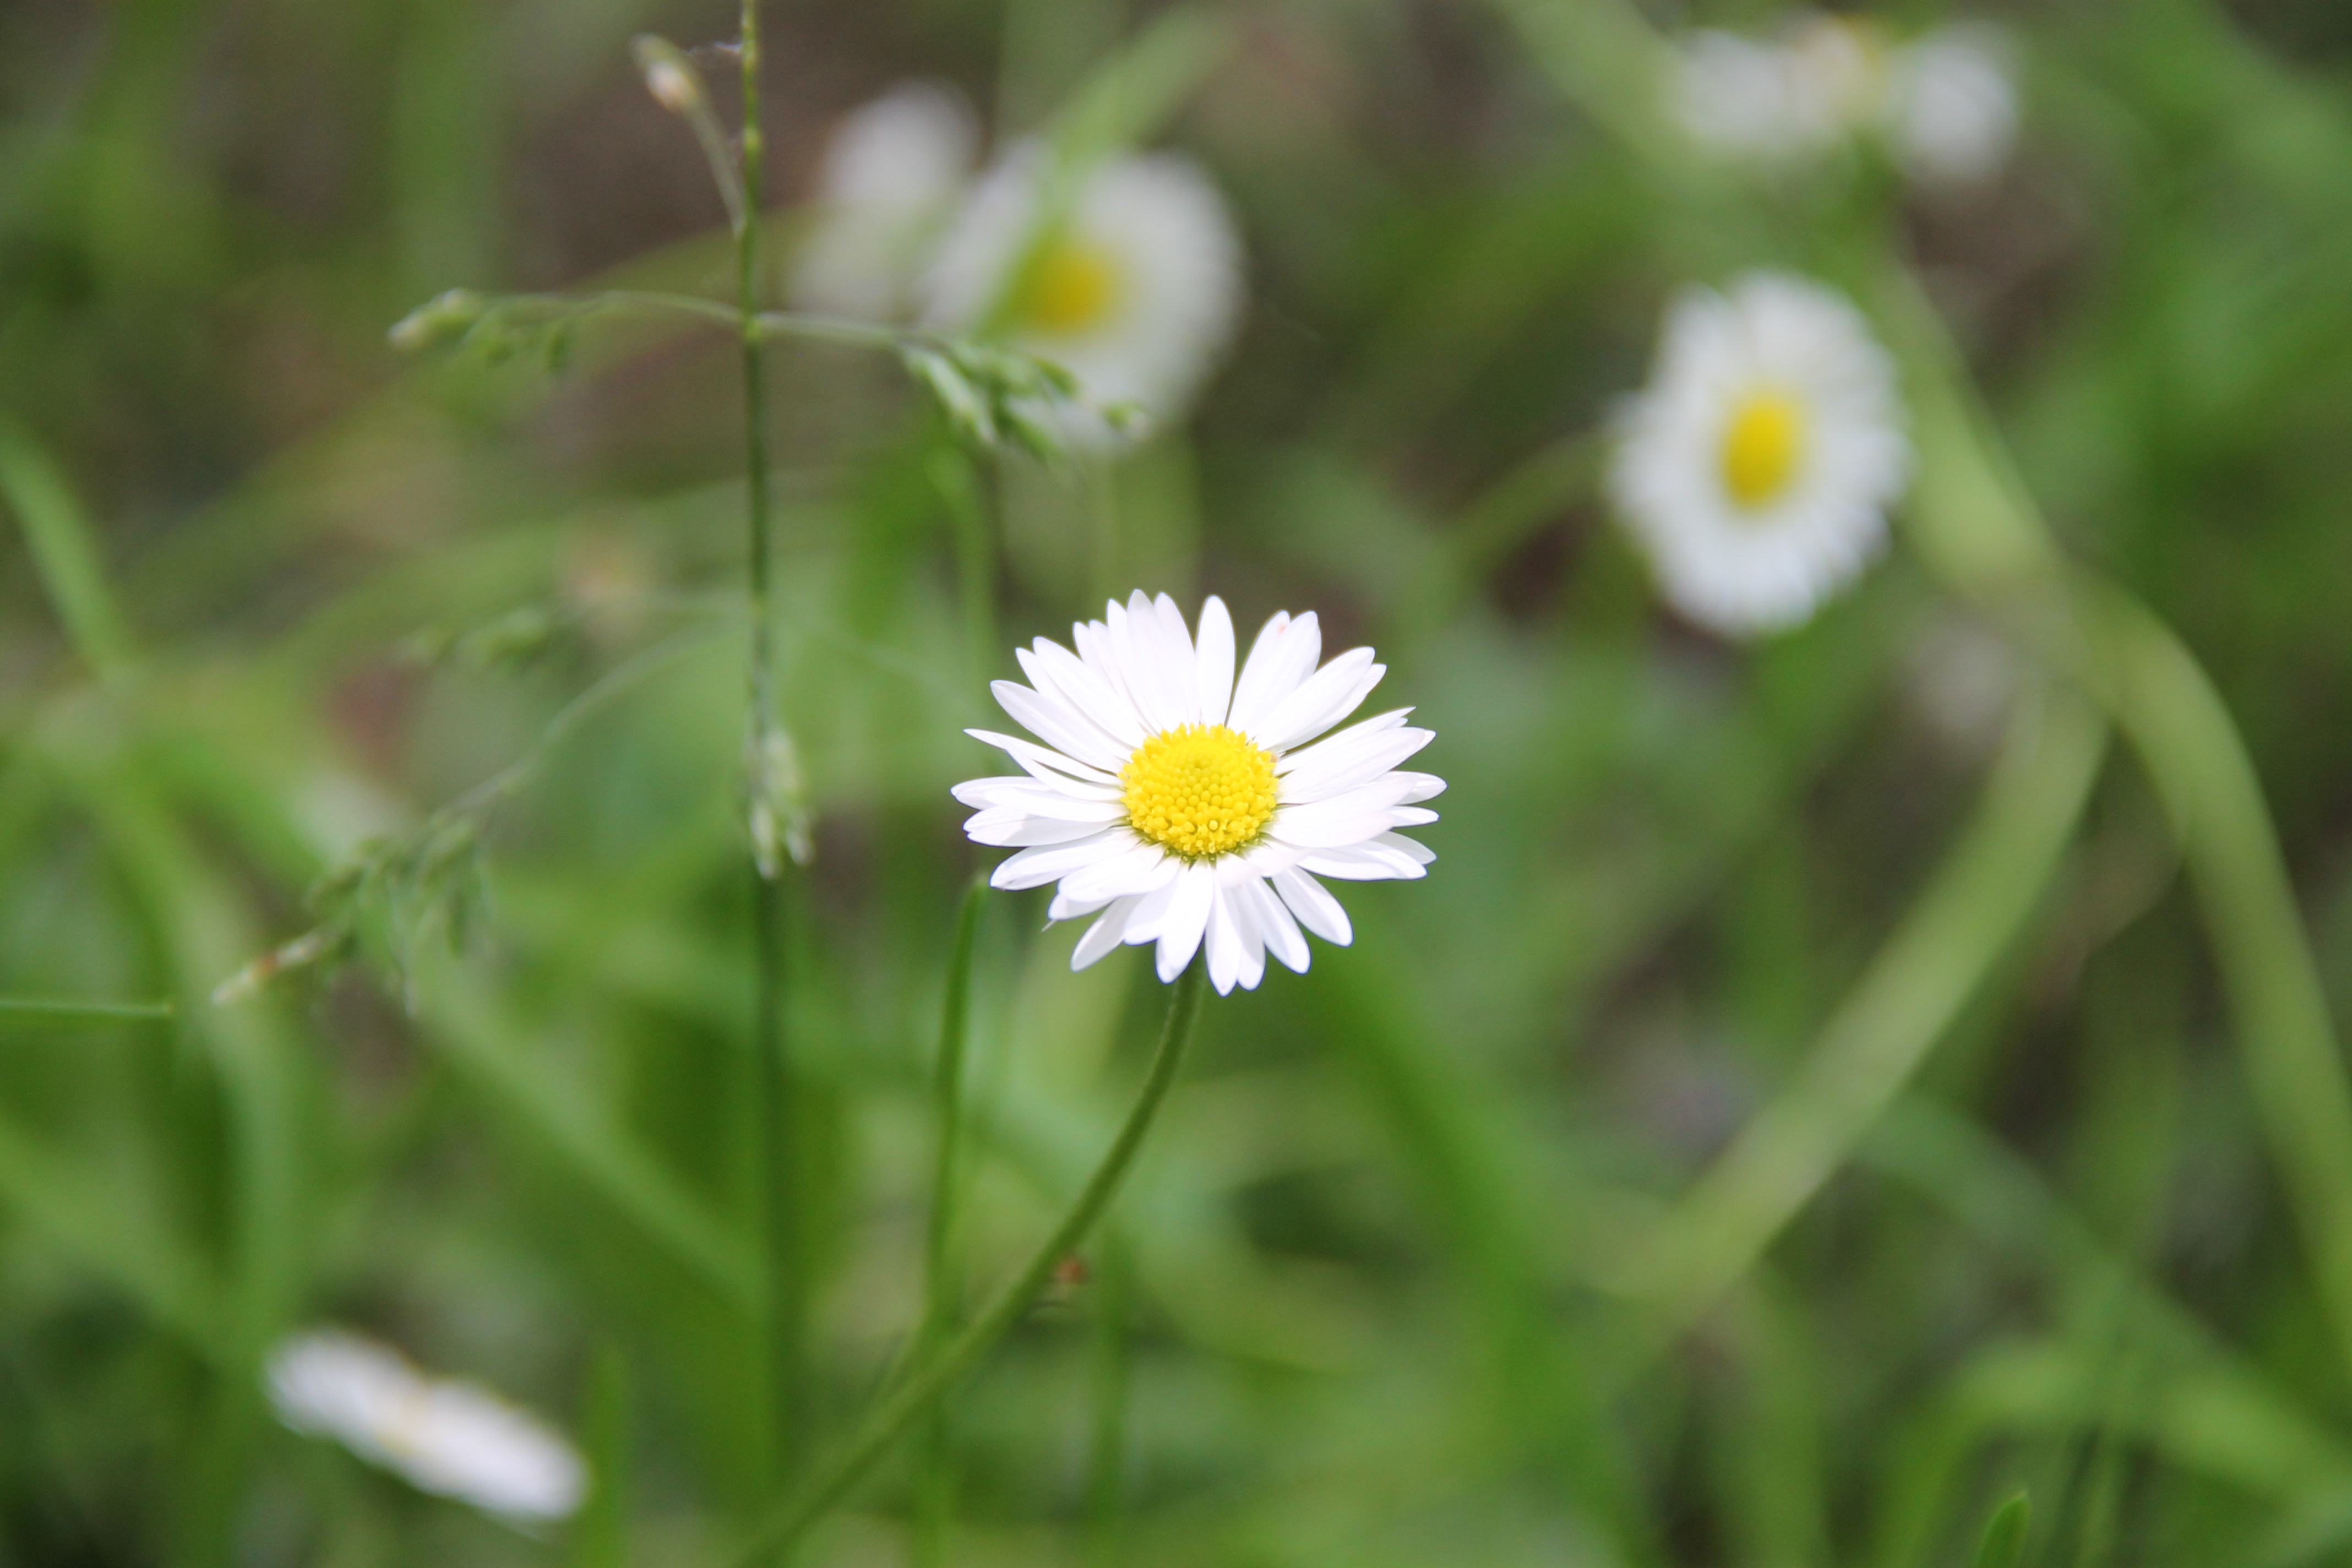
(272, 592)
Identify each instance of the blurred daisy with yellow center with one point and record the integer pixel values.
(1756, 468)
(1134, 289)
(1181, 805)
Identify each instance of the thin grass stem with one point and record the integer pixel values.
(941, 1284)
(775, 1091)
(1977, 527)
(1904, 1002)
(831, 1479)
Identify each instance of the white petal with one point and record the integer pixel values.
(1145, 868)
(1420, 787)
(1324, 697)
(1226, 944)
(1353, 757)
(1283, 656)
(1268, 855)
(1234, 882)
(1100, 654)
(1275, 923)
(1050, 665)
(1058, 725)
(1039, 800)
(1049, 863)
(1182, 660)
(1050, 766)
(1376, 861)
(1144, 924)
(1005, 829)
(1215, 654)
(1187, 920)
(1066, 908)
(1326, 824)
(1312, 902)
(1412, 816)
(1419, 854)
(1134, 638)
(1104, 934)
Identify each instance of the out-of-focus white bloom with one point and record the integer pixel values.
(1794, 96)
(1134, 288)
(1945, 103)
(1183, 806)
(892, 175)
(1757, 467)
(1951, 109)
(444, 1436)
(1737, 97)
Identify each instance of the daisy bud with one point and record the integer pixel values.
(669, 76)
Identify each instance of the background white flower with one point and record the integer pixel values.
(892, 175)
(1183, 806)
(1795, 95)
(1945, 103)
(1757, 467)
(1951, 108)
(444, 1436)
(1135, 290)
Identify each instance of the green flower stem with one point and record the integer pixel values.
(1907, 999)
(775, 1091)
(830, 1480)
(941, 1286)
(1976, 524)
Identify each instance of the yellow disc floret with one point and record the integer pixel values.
(1199, 790)
(1763, 446)
(1072, 289)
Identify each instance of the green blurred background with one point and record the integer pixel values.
(1364, 1305)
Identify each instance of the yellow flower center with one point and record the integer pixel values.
(1072, 287)
(1763, 446)
(1199, 789)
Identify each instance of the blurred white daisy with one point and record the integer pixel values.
(1134, 288)
(1951, 108)
(892, 175)
(444, 1436)
(1943, 103)
(1180, 805)
(1757, 467)
(1795, 95)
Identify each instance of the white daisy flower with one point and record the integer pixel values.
(1794, 96)
(892, 175)
(444, 1436)
(1181, 805)
(1757, 467)
(1135, 291)
(1952, 110)
(1944, 104)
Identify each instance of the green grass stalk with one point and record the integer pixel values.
(831, 1479)
(1976, 526)
(775, 1091)
(1909, 998)
(941, 1286)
